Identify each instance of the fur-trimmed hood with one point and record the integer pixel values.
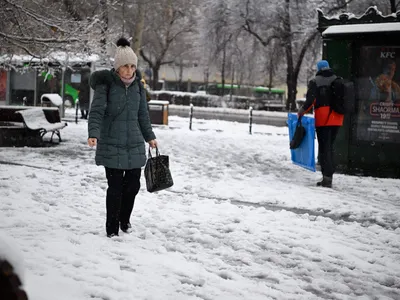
(107, 77)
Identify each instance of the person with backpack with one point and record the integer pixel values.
(325, 94)
(119, 125)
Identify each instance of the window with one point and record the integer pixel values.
(76, 78)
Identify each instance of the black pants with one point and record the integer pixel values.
(84, 113)
(123, 186)
(326, 138)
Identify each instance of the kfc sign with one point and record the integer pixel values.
(388, 54)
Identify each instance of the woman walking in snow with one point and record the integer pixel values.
(119, 124)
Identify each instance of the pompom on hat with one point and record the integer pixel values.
(124, 54)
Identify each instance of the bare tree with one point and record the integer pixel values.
(271, 63)
(167, 23)
(139, 25)
(291, 24)
(36, 27)
(104, 25)
(216, 33)
(221, 34)
(294, 41)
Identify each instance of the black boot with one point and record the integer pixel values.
(126, 227)
(325, 182)
(112, 229)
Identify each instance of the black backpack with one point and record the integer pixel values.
(337, 101)
(341, 95)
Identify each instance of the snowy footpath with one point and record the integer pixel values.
(241, 222)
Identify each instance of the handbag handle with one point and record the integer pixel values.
(298, 121)
(157, 152)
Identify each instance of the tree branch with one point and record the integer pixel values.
(166, 62)
(24, 48)
(303, 51)
(247, 27)
(171, 39)
(35, 16)
(266, 42)
(146, 59)
(71, 10)
(337, 8)
(28, 40)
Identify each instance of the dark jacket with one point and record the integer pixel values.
(84, 92)
(318, 95)
(119, 120)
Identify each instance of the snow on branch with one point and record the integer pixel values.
(35, 16)
(36, 29)
(28, 40)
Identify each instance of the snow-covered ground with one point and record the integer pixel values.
(241, 222)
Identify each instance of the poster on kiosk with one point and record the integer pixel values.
(379, 95)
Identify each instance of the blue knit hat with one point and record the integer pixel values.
(322, 65)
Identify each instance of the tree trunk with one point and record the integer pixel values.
(104, 28)
(292, 92)
(223, 69)
(232, 81)
(156, 70)
(291, 78)
(206, 78)
(139, 26)
(240, 79)
(291, 81)
(271, 71)
(392, 6)
(180, 82)
(123, 17)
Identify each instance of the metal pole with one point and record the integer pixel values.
(190, 116)
(250, 119)
(76, 111)
(62, 91)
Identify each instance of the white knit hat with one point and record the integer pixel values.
(124, 54)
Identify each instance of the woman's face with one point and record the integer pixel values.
(126, 71)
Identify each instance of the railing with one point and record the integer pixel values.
(191, 114)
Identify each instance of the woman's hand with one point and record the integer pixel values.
(153, 144)
(92, 142)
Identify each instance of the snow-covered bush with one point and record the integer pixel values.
(204, 100)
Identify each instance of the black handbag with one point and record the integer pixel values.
(157, 173)
(298, 135)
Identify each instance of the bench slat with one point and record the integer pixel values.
(35, 119)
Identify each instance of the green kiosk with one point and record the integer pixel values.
(365, 50)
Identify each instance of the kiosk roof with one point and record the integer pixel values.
(361, 28)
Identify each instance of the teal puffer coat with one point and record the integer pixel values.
(120, 121)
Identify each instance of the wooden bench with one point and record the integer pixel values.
(14, 133)
(35, 119)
